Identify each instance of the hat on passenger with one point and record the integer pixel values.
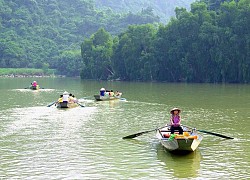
(175, 109)
(65, 93)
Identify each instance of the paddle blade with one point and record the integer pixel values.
(215, 134)
(137, 134)
(51, 104)
(80, 104)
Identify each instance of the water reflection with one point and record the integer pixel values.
(182, 166)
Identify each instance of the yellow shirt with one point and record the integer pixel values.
(60, 100)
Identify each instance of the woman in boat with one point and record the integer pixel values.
(34, 84)
(175, 121)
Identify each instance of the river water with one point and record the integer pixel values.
(40, 142)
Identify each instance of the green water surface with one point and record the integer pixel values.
(40, 142)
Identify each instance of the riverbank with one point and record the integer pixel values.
(27, 72)
(27, 76)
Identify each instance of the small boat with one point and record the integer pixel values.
(66, 105)
(34, 87)
(107, 97)
(186, 142)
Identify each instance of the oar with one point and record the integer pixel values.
(140, 133)
(212, 133)
(215, 134)
(51, 104)
(80, 104)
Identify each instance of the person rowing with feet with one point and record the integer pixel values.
(175, 121)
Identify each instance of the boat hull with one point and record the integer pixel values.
(106, 98)
(34, 87)
(66, 105)
(180, 143)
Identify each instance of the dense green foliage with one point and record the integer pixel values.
(211, 43)
(37, 33)
(164, 9)
(26, 71)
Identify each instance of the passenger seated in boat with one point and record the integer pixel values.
(111, 93)
(175, 121)
(65, 97)
(75, 99)
(71, 98)
(60, 99)
(117, 93)
(102, 92)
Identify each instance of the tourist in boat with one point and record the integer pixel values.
(60, 99)
(102, 91)
(71, 99)
(117, 93)
(175, 121)
(75, 99)
(111, 93)
(65, 97)
(34, 84)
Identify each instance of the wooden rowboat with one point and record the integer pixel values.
(66, 105)
(188, 142)
(107, 97)
(34, 87)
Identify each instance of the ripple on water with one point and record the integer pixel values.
(86, 143)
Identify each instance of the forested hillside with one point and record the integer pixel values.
(48, 33)
(163, 8)
(211, 43)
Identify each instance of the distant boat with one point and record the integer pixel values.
(35, 87)
(107, 97)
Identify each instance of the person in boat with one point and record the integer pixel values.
(111, 93)
(102, 91)
(75, 99)
(106, 92)
(34, 84)
(65, 97)
(175, 121)
(117, 93)
(71, 99)
(60, 99)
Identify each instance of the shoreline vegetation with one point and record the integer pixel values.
(27, 72)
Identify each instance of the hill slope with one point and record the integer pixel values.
(36, 33)
(163, 8)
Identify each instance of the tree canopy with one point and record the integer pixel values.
(34, 33)
(209, 43)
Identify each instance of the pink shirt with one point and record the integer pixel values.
(176, 120)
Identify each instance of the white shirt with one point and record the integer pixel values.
(65, 97)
